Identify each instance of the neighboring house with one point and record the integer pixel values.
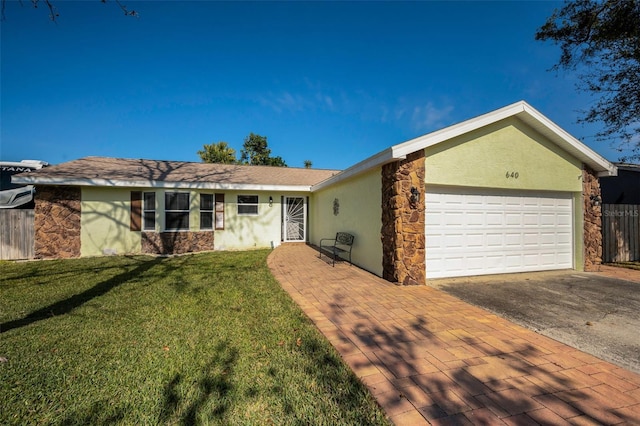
(508, 191)
(623, 188)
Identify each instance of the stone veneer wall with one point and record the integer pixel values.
(57, 222)
(592, 220)
(403, 239)
(176, 242)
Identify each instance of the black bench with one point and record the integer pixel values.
(342, 244)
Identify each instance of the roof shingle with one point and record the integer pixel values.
(106, 171)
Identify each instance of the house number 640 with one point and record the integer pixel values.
(512, 175)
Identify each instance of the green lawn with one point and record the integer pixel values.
(199, 339)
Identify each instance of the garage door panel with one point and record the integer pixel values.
(453, 219)
(453, 241)
(513, 218)
(513, 261)
(564, 219)
(433, 220)
(494, 219)
(475, 218)
(475, 240)
(494, 240)
(548, 219)
(530, 219)
(475, 233)
(532, 239)
(513, 240)
(532, 260)
(492, 200)
(548, 238)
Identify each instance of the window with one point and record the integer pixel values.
(247, 204)
(206, 211)
(149, 212)
(176, 206)
(219, 211)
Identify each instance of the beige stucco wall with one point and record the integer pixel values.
(485, 157)
(360, 201)
(105, 222)
(251, 231)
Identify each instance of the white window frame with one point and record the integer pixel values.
(248, 204)
(209, 212)
(167, 211)
(219, 212)
(150, 210)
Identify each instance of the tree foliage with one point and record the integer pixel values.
(219, 152)
(601, 40)
(53, 10)
(256, 152)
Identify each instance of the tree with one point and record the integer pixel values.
(307, 164)
(219, 152)
(53, 11)
(276, 162)
(256, 153)
(602, 40)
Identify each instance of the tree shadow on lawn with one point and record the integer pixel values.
(468, 379)
(185, 401)
(65, 306)
(211, 391)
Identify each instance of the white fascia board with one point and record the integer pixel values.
(601, 165)
(31, 180)
(430, 139)
(400, 151)
(370, 163)
(529, 115)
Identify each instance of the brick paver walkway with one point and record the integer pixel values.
(620, 273)
(430, 358)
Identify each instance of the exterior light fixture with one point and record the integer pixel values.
(270, 201)
(595, 200)
(415, 195)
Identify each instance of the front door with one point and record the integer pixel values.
(294, 223)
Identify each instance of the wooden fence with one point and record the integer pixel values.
(17, 234)
(620, 233)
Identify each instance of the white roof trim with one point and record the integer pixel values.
(521, 109)
(370, 163)
(527, 114)
(160, 184)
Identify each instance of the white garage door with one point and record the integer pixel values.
(490, 233)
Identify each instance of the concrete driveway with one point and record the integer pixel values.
(588, 311)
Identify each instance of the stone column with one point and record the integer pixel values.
(57, 222)
(592, 220)
(403, 239)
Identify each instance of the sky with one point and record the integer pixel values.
(329, 82)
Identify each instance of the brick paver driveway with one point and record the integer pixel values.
(430, 358)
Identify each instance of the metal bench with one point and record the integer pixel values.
(342, 244)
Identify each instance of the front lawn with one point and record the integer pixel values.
(199, 339)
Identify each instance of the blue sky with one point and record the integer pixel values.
(330, 82)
